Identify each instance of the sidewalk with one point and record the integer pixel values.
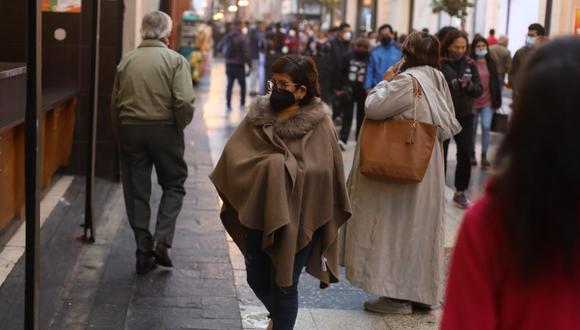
(95, 286)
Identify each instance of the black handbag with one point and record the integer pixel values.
(500, 122)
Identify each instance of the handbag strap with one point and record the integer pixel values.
(417, 95)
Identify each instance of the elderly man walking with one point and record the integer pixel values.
(152, 102)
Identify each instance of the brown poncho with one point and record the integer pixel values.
(284, 176)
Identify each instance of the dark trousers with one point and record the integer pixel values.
(346, 110)
(464, 141)
(143, 146)
(281, 302)
(236, 72)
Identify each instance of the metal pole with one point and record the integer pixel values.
(31, 168)
(507, 23)
(411, 15)
(548, 20)
(89, 228)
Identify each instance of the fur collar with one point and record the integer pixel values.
(294, 126)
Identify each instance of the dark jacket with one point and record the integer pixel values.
(462, 97)
(517, 64)
(236, 48)
(338, 51)
(494, 87)
(353, 72)
(257, 43)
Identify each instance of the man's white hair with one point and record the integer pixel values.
(156, 25)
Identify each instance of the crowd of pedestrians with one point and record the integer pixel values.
(288, 205)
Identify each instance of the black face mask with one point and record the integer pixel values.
(281, 100)
(358, 55)
(386, 40)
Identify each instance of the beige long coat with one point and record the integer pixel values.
(394, 240)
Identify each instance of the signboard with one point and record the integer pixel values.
(577, 22)
(61, 6)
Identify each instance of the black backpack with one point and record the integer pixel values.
(230, 49)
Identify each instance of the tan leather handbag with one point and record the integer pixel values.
(397, 150)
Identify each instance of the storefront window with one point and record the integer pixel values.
(366, 15)
(333, 12)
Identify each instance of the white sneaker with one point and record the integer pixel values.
(385, 305)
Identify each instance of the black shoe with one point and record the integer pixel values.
(253, 94)
(473, 161)
(162, 256)
(485, 164)
(145, 263)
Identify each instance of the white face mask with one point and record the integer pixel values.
(347, 36)
(245, 30)
(292, 33)
(530, 41)
(374, 43)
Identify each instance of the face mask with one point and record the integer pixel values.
(386, 40)
(481, 53)
(281, 100)
(374, 44)
(530, 41)
(292, 33)
(347, 36)
(455, 56)
(361, 55)
(245, 30)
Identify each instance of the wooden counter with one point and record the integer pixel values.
(57, 121)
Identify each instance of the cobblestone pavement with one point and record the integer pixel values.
(95, 286)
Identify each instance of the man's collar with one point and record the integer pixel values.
(152, 43)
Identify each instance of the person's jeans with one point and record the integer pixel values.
(281, 302)
(486, 115)
(346, 110)
(254, 77)
(464, 141)
(236, 72)
(501, 82)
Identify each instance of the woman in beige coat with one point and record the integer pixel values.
(394, 240)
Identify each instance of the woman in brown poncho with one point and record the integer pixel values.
(282, 181)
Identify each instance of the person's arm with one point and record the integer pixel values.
(508, 61)
(390, 98)
(370, 73)
(470, 298)
(183, 94)
(114, 108)
(515, 68)
(474, 87)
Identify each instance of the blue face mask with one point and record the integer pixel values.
(530, 41)
(481, 53)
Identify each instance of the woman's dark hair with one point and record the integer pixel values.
(443, 32)
(303, 71)
(420, 49)
(479, 38)
(538, 184)
(450, 38)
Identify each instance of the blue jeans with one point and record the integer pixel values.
(486, 118)
(236, 72)
(281, 302)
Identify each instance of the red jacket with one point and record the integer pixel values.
(484, 290)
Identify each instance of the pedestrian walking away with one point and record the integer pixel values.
(394, 222)
(353, 74)
(463, 78)
(516, 264)
(491, 99)
(502, 58)
(281, 179)
(149, 126)
(384, 56)
(236, 49)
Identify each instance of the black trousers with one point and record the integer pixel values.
(464, 141)
(236, 72)
(346, 110)
(143, 146)
(281, 302)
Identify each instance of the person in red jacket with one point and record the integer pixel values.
(516, 264)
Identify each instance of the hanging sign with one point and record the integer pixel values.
(61, 6)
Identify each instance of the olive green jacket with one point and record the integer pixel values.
(153, 85)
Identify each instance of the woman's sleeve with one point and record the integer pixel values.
(390, 98)
(469, 302)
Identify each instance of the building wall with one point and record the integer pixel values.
(134, 12)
